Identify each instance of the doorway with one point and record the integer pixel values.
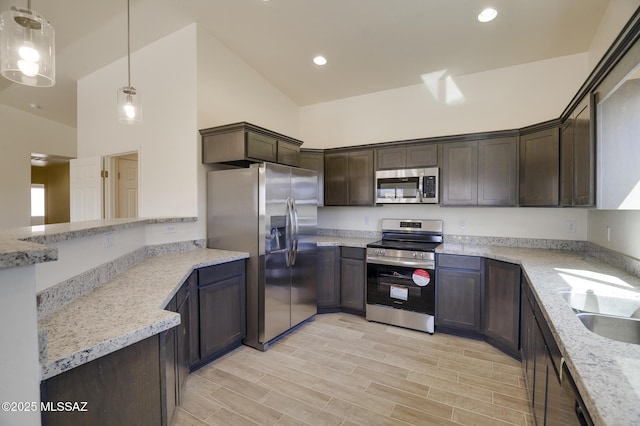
(122, 188)
(49, 189)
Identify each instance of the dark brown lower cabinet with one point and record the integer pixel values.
(501, 311)
(121, 388)
(353, 277)
(458, 293)
(328, 279)
(221, 302)
(552, 403)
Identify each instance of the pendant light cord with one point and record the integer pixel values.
(128, 43)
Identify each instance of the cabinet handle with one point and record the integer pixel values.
(562, 363)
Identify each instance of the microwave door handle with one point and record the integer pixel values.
(420, 187)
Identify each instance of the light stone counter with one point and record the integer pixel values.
(606, 372)
(328, 241)
(28, 245)
(124, 310)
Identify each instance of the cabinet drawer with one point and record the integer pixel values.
(353, 253)
(216, 273)
(459, 262)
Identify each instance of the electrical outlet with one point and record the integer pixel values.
(462, 224)
(107, 239)
(608, 228)
(366, 220)
(572, 226)
(170, 229)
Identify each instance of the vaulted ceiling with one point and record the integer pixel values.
(371, 45)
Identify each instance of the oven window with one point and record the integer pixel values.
(401, 287)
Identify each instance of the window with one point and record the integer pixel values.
(37, 200)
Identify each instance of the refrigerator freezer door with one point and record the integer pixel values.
(276, 315)
(304, 191)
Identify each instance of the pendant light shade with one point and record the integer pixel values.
(27, 48)
(129, 110)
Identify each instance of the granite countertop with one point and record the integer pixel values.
(606, 372)
(125, 310)
(330, 241)
(28, 245)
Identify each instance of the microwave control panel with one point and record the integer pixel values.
(429, 187)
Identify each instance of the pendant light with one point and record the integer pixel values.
(128, 97)
(27, 48)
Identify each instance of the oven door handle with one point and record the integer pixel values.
(395, 262)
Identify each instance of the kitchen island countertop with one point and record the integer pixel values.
(606, 372)
(123, 311)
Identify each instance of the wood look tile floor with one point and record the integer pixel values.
(343, 370)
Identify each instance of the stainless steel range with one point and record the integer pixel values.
(401, 273)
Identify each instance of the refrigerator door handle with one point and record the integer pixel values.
(296, 227)
(288, 232)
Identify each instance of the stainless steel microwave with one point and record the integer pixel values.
(407, 186)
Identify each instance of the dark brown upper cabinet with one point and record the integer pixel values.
(406, 157)
(313, 159)
(349, 178)
(481, 172)
(577, 156)
(244, 143)
(540, 168)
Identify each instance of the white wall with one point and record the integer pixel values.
(548, 223)
(165, 73)
(229, 90)
(624, 230)
(615, 17)
(19, 366)
(505, 98)
(624, 225)
(22, 134)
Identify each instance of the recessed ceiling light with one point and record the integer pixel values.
(320, 60)
(487, 15)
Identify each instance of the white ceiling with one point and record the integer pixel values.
(371, 45)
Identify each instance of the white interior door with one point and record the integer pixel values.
(127, 200)
(85, 189)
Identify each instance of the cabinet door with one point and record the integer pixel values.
(566, 163)
(170, 342)
(540, 375)
(336, 176)
(361, 178)
(222, 316)
(314, 160)
(194, 320)
(260, 147)
(458, 299)
(584, 157)
(391, 158)
(121, 388)
(288, 153)
(328, 277)
(540, 168)
(460, 173)
(353, 279)
(422, 155)
(527, 324)
(182, 346)
(501, 313)
(497, 172)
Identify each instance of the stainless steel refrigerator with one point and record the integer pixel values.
(270, 211)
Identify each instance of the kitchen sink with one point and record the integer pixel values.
(598, 304)
(616, 328)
